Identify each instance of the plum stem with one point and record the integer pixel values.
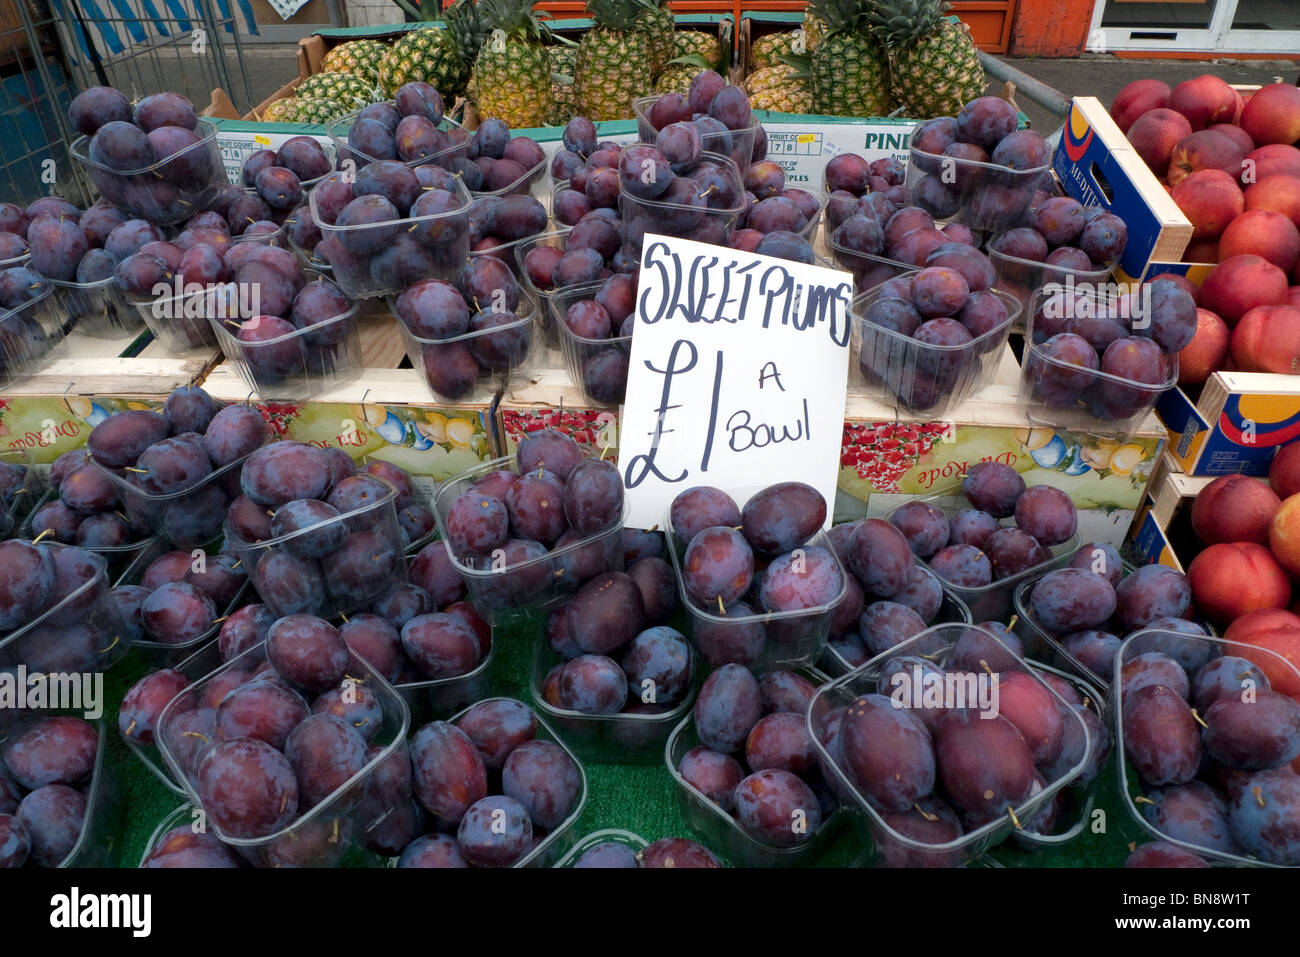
(130, 727)
(217, 621)
(1012, 623)
(132, 468)
(1259, 796)
(44, 532)
(111, 645)
(195, 734)
(1143, 799)
(1011, 813)
(722, 609)
(1199, 719)
(344, 617)
(925, 814)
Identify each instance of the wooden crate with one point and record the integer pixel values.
(53, 410)
(1162, 531)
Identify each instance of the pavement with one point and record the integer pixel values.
(270, 65)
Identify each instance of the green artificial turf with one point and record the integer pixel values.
(641, 799)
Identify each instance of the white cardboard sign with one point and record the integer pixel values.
(737, 375)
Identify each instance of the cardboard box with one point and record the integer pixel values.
(239, 139)
(53, 411)
(886, 459)
(1162, 531)
(1237, 424)
(386, 413)
(804, 144)
(1097, 166)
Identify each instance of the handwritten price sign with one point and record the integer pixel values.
(737, 377)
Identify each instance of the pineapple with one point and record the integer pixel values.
(814, 28)
(565, 104)
(429, 55)
(849, 72)
(613, 60)
(296, 109)
(768, 49)
(696, 43)
(933, 60)
(512, 73)
(676, 79)
(357, 57)
(351, 92)
(656, 20)
(783, 88)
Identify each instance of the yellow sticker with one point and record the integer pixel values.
(259, 138)
(806, 138)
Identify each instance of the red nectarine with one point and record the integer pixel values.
(1279, 193)
(1267, 339)
(1241, 283)
(1273, 114)
(1204, 100)
(1204, 355)
(1262, 232)
(1230, 579)
(1137, 98)
(1284, 534)
(1284, 471)
(1204, 149)
(1211, 199)
(1155, 134)
(1234, 508)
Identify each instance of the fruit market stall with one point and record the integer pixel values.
(515, 445)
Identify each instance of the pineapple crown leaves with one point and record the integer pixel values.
(516, 19)
(843, 16)
(617, 14)
(692, 60)
(467, 30)
(899, 23)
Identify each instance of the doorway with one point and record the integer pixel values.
(1241, 26)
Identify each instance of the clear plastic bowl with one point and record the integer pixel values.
(500, 354)
(1044, 645)
(443, 236)
(163, 654)
(187, 815)
(331, 830)
(340, 592)
(868, 271)
(598, 367)
(920, 377)
(442, 697)
(97, 844)
(723, 833)
(198, 665)
(936, 643)
(83, 634)
(29, 334)
(792, 638)
(1061, 395)
(30, 495)
(511, 593)
(1019, 277)
(535, 182)
(147, 193)
(742, 141)
(1075, 814)
(560, 840)
(609, 835)
(179, 319)
(706, 225)
(117, 556)
(622, 738)
(508, 253)
(298, 364)
(338, 131)
(97, 308)
(991, 602)
(1130, 786)
(951, 610)
(981, 195)
(189, 518)
(556, 240)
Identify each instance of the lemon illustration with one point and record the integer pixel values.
(373, 415)
(460, 432)
(1126, 458)
(434, 428)
(79, 406)
(1098, 456)
(1034, 439)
